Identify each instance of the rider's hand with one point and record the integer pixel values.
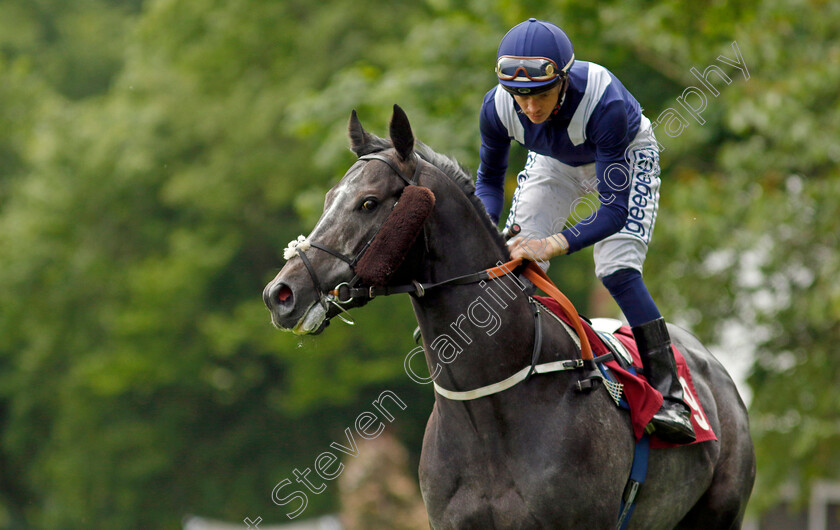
(538, 249)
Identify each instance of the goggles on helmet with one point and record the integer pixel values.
(512, 68)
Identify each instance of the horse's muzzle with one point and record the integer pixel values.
(291, 313)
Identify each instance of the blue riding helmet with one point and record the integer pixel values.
(533, 57)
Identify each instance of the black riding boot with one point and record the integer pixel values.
(673, 421)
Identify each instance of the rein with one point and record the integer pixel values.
(539, 278)
(532, 271)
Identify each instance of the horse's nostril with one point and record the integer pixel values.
(278, 295)
(283, 294)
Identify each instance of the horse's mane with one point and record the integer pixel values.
(461, 177)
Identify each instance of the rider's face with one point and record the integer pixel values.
(538, 108)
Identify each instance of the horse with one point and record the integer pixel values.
(540, 454)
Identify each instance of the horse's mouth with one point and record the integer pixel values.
(313, 321)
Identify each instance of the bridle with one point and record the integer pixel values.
(349, 289)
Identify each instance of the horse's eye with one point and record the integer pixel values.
(370, 204)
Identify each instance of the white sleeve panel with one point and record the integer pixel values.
(507, 114)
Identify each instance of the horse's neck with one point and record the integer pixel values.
(477, 333)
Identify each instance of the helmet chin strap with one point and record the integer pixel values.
(561, 96)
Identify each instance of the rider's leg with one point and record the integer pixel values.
(618, 262)
(673, 420)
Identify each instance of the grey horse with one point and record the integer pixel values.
(537, 455)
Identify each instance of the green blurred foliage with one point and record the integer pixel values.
(155, 158)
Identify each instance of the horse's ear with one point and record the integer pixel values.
(359, 138)
(362, 142)
(401, 135)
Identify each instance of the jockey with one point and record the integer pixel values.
(585, 133)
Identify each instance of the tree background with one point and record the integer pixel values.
(157, 155)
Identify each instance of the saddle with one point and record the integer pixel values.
(622, 375)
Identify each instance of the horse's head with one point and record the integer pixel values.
(371, 220)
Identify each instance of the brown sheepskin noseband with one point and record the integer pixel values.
(391, 245)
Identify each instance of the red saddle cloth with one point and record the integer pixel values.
(642, 398)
